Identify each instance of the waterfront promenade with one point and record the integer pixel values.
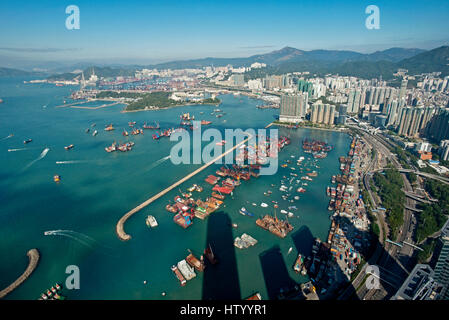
(33, 256)
(120, 224)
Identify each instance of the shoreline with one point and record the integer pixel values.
(175, 106)
(342, 130)
(33, 256)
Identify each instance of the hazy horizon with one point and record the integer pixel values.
(148, 32)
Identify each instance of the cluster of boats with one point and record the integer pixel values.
(127, 146)
(275, 225)
(319, 149)
(53, 293)
(244, 241)
(185, 269)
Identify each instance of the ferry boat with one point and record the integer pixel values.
(210, 255)
(69, 147)
(178, 275)
(245, 212)
(151, 221)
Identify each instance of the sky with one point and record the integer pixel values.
(154, 31)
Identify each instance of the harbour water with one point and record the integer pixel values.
(97, 188)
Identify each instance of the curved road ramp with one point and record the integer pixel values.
(33, 256)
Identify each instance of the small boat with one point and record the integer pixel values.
(87, 130)
(263, 205)
(95, 133)
(57, 178)
(193, 261)
(69, 147)
(27, 141)
(245, 212)
(109, 128)
(210, 255)
(151, 221)
(234, 225)
(178, 275)
(125, 133)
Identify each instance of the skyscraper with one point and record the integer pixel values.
(442, 265)
(293, 107)
(323, 113)
(403, 89)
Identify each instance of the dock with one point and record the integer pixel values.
(120, 224)
(33, 256)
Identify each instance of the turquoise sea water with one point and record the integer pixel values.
(97, 188)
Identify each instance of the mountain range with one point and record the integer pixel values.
(288, 59)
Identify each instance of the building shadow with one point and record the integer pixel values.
(278, 282)
(221, 280)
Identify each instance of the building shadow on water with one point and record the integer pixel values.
(221, 280)
(278, 282)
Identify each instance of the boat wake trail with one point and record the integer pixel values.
(14, 150)
(158, 162)
(42, 155)
(10, 136)
(80, 238)
(72, 161)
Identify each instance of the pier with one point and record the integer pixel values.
(33, 256)
(119, 228)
